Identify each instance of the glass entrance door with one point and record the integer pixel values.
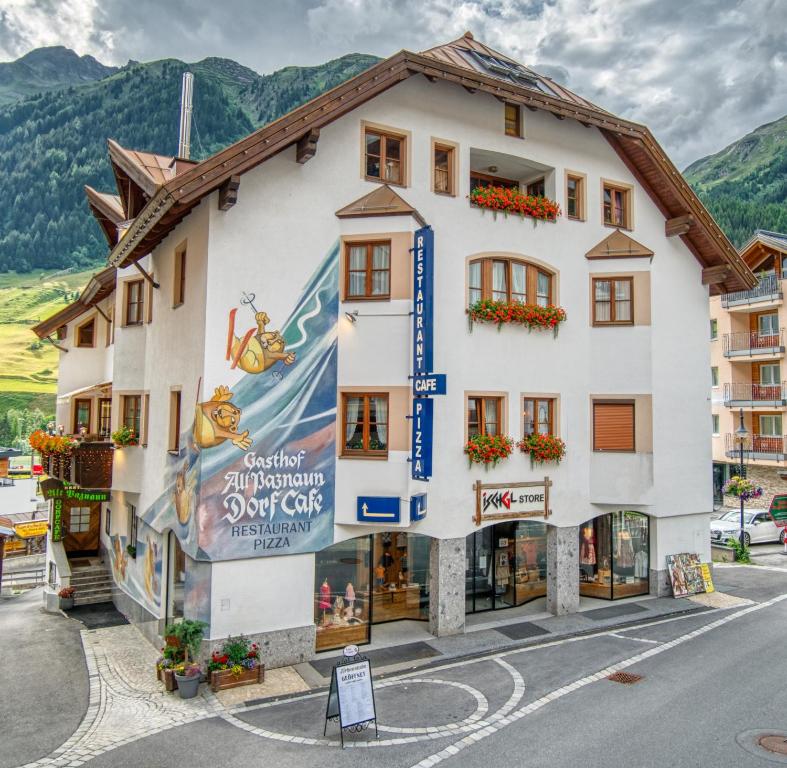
(479, 572)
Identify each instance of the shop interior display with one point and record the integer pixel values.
(614, 556)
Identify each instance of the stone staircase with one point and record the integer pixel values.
(92, 584)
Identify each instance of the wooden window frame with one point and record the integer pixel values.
(715, 425)
(481, 401)
(365, 452)
(531, 278)
(369, 244)
(534, 399)
(714, 329)
(174, 421)
(542, 181)
(124, 400)
(620, 403)
(108, 432)
(612, 279)
(385, 134)
(75, 422)
(78, 332)
(179, 276)
(451, 150)
(516, 131)
(714, 379)
(581, 184)
(139, 304)
(494, 181)
(627, 191)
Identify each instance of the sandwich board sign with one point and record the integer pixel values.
(778, 510)
(351, 695)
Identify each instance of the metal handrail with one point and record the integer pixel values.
(755, 393)
(766, 286)
(754, 444)
(752, 342)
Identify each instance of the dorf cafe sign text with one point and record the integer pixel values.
(425, 381)
(511, 501)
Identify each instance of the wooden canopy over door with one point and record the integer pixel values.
(81, 525)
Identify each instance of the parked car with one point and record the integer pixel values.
(758, 528)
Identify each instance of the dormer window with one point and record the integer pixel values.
(86, 334)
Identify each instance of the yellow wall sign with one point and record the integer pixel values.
(707, 578)
(31, 529)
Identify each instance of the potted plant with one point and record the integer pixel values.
(171, 656)
(189, 636)
(742, 488)
(542, 448)
(188, 676)
(132, 551)
(66, 595)
(236, 663)
(124, 435)
(488, 449)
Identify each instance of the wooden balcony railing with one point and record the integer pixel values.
(89, 466)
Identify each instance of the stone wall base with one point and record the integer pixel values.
(660, 585)
(562, 570)
(447, 586)
(279, 648)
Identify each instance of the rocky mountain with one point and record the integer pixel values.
(53, 143)
(47, 69)
(745, 185)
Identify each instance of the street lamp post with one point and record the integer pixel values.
(741, 435)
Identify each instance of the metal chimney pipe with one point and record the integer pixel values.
(184, 138)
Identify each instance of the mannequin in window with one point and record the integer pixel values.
(379, 574)
(324, 603)
(349, 598)
(624, 551)
(587, 552)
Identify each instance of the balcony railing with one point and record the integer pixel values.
(745, 343)
(756, 447)
(741, 393)
(767, 289)
(89, 466)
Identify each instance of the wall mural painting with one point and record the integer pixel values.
(139, 577)
(255, 475)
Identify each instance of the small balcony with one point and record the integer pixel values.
(767, 447)
(743, 395)
(89, 466)
(768, 291)
(752, 344)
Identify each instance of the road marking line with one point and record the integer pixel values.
(638, 639)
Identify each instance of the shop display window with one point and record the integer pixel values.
(341, 594)
(614, 555)
(369, 580)
(505, 565)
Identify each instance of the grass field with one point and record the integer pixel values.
(28, 367)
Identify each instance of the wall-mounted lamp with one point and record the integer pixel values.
(352, 316)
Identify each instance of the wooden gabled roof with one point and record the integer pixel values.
(761, 245)
(108, 211)
(98, 288)
(631, 141)
(382, 201)
(618, 246)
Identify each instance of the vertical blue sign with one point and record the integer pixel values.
(421, 448)
(423, 296)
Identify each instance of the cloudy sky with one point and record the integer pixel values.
(700, 73)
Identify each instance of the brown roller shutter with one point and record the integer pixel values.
(613, 426)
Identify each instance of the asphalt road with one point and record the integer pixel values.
(708, 680)
(43, 679)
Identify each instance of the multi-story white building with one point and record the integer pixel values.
(747, 355)
(273, 302)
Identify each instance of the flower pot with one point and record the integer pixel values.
(66, 603)
(221, 679)
(188, 685)
(168, 678)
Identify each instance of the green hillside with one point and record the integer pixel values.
(745, 185)
(52, 144)
(47, 69)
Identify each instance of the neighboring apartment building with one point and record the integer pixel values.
(747, 364)
(272, 304)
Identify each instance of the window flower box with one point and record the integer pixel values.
(542, 448)
(486, 449)
(513, 313)
(513, 201)
(236, 663)
(221, 679)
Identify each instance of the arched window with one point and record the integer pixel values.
(504, 279)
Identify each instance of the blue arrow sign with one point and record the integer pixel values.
(378, 509)
(433, 384)
(417, 507)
